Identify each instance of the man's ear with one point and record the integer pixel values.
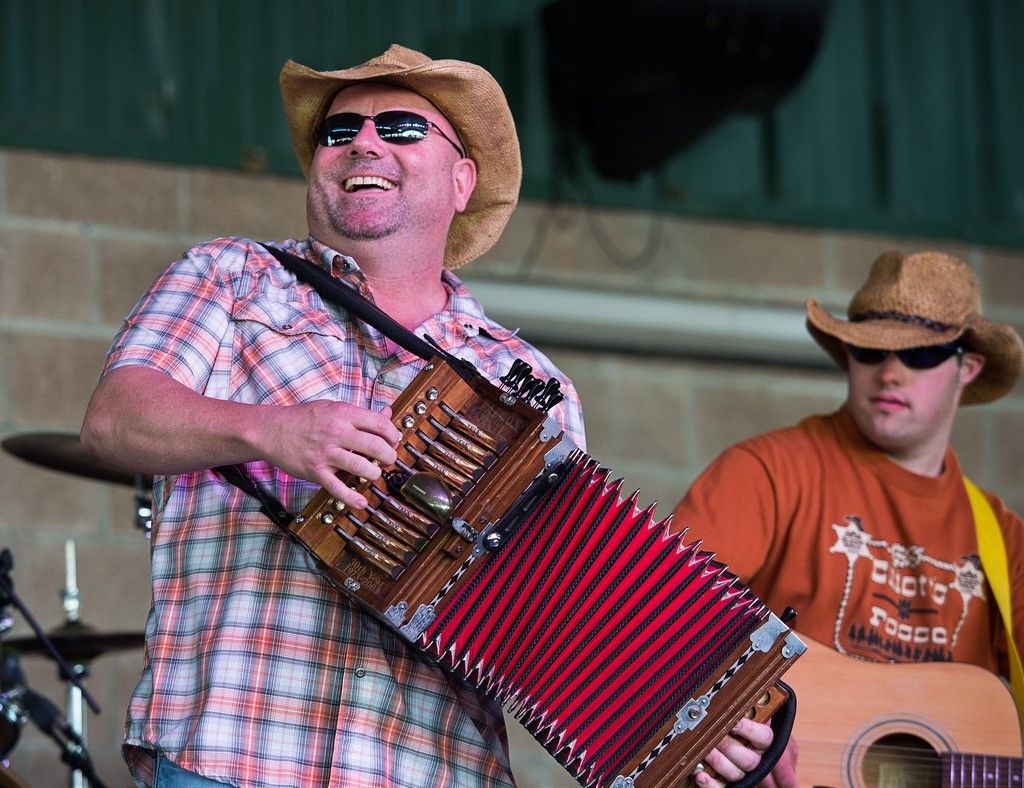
(464, 180)
(970, 366)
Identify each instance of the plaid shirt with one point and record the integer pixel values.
(257, 673)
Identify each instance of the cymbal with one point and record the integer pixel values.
(78, 642)
(63, 451)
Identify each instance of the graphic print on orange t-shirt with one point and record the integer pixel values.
(904, 611)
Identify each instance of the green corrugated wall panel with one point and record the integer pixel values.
(1005, 149)
(910, 119)
(825, 159)
(723, 168)
(931, 131)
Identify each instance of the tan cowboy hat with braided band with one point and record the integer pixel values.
(924, 298)
(464, 93)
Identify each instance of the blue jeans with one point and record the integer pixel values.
(170, 776)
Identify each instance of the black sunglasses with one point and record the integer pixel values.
(925, 357)
(397, 126)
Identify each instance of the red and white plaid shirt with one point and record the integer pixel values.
(258, 673)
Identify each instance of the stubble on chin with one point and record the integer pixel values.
(328, 219)
(360, 232)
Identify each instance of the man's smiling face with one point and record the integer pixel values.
(370, 189)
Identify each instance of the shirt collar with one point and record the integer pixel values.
(334, 262)
(462, 317)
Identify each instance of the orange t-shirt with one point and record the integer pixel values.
(878, 561)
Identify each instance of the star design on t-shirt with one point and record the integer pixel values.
(851, 539)
(969, 580)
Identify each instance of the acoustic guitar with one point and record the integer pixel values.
(908, 725)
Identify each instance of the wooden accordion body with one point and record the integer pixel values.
(625, 651)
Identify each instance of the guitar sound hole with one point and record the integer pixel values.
(902, 760)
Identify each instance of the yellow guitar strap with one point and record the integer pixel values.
(993, 561)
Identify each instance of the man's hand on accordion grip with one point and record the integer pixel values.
(737, 754)
(318, 440)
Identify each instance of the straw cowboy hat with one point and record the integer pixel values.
(464, 93)
(924, 298)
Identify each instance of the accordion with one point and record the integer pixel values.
(507, 555)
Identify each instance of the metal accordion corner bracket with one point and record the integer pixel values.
(421, 619)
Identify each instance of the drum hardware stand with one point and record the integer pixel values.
(42, 712)
(12, 688)
(143, 508)
(13, 715)
(71, 603)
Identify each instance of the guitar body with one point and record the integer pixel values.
(874, 724)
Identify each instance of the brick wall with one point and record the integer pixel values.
(80, 238)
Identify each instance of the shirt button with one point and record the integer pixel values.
(360, 672)
(286, 327)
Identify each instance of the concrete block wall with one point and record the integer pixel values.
(80, 238)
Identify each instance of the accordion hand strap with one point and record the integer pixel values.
(782, 727)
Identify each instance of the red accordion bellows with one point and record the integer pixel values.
(593, 612)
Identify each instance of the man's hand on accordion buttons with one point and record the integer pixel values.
(317, 440)
(737, 754)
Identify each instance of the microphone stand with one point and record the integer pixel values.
(7, 592)
(50, 721)
(43, 713)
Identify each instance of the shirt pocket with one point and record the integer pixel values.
(284, 353)
(284, 318)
